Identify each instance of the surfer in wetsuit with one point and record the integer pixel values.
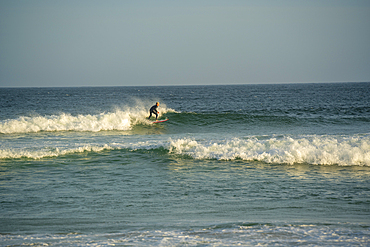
(153, 110)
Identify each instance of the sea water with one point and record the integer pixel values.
(270, 165)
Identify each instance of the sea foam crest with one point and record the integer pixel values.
(324, 150)
(118, 120)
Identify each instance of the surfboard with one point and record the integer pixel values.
(160, 121)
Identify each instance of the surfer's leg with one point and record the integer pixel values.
(150, 115)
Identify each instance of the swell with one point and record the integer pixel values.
(126, 119)
(264, 118)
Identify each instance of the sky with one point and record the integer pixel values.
(64, 43)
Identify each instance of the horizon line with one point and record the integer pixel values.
(185, 85)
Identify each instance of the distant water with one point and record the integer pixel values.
(272, 165)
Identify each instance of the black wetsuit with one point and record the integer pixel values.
(153, 110)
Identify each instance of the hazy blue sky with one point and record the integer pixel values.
(124, 43)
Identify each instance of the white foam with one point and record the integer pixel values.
(238, 235)
(118, 120)
(324, 150)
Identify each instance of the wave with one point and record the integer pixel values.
(315, 149)
(118, 120)
(124, 120)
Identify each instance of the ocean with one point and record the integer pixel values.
(267, 165)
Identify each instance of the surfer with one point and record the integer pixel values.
(153, 110)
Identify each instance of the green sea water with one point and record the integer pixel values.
(248, 165)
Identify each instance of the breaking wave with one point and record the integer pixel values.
(118, 120)
(318, 150)
(49, 152)
(315, 149)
